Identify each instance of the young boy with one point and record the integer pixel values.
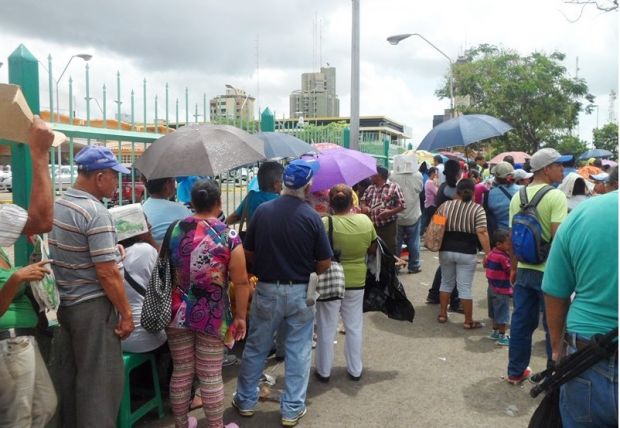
(497, 268)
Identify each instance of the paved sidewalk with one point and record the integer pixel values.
(420, 374)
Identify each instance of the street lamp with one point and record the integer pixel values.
(394, 40)
(85, 57)
(237, 93)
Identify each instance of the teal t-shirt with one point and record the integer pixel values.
(584, 260)
(254, 198)
(353, 234)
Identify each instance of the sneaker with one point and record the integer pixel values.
(503, 340)
(494, 335)
(242, 412)
(192, 422)
(414, 270)
(515, 380)
(432, 301)
(231, 425)
(291, 422)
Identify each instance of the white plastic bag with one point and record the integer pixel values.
(44, 291)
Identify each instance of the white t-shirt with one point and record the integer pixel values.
(13, 219)
(139, 263)
(442, 177)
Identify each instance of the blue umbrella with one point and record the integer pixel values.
(595, 153)
(282, 145)
(462, 131)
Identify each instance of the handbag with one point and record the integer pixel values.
(433, 237)
(331, 282)
(157, 306)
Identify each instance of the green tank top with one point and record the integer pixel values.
(20, 313)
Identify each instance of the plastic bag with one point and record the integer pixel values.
(44, 291)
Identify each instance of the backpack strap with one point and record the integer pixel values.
(539, 195)
(505, 192)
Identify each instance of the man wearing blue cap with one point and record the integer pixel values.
(94, 313)
(285, 243)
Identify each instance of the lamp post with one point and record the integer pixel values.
(394, 40)
(85, 57)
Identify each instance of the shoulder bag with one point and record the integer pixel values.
(331, 282)
(156, 309)
(433, 237)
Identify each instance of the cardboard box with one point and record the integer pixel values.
(405, 164)
(129, 221)
(16, 116)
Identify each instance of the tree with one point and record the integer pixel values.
(603, 6)
(532, 93)
(606, 138)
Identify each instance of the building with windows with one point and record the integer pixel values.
(235, 104)
(317, 97)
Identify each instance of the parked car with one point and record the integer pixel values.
(126, 187)
(6, 183)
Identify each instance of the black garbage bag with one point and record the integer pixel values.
(386, 294)
(547, 414)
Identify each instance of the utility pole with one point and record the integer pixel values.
(354, 124)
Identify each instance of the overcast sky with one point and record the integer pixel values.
(206, 44)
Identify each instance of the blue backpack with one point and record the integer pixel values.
(527, 241)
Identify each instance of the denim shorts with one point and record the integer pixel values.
(499, 307)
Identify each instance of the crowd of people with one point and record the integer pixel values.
(250, 283)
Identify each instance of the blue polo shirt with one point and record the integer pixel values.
(584, 260)
(287, 238)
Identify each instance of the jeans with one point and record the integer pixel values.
(327, 314)
(528, 301)
(272, 306)
(457, 269)
(27, 396)
(410, 235)
(591, 399)
(91, 370)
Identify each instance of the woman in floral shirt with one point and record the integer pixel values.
(205, 254)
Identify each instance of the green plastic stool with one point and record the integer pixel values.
(126, 418)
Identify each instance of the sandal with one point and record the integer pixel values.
(472, 325)
(441, 319)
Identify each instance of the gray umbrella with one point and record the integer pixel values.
(200, 150)
(281, 145)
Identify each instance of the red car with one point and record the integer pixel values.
(126, 188)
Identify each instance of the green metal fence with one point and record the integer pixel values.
(133, 127)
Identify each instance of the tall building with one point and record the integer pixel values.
(317, 97)
(235, 104)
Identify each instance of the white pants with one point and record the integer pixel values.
(27, 396)
(350, 309)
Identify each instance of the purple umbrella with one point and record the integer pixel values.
(342, 166)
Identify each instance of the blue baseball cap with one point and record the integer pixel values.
(94, 158)
(299, 173)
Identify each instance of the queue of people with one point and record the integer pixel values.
(102, 275)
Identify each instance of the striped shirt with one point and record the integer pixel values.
(13, 218)
(497, 269)
(83, 235)
(463, 219)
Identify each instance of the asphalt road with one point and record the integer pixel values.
(420, 374)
